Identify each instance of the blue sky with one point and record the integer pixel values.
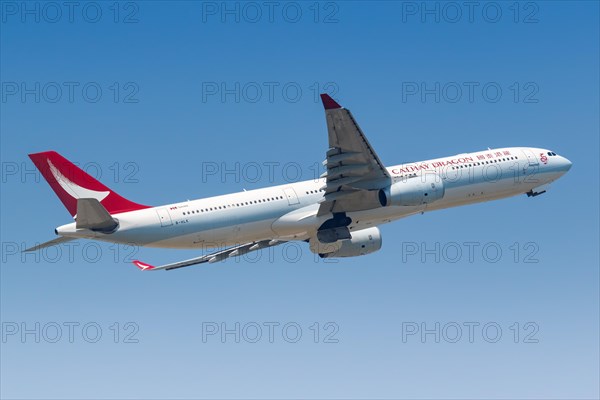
(173, 101)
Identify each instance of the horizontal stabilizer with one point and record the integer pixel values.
(92, 215)
(49, 243)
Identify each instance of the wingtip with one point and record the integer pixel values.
(328, 102)
(143, 266)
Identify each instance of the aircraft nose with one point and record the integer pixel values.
(565, 164)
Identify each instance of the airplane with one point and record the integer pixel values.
(338, 214)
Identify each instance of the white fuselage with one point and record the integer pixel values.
(289, 212)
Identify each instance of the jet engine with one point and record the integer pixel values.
(415, 191)
(364, 241)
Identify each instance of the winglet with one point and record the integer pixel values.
(328, 102)
(143, 266)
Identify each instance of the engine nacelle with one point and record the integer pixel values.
(423, 189)
(364, 241)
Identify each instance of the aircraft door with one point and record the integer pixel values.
(164, 217)
(530, 169)
(291, 196)
(530, 157)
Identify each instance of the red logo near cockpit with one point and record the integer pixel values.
(543, 158)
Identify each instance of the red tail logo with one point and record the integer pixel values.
(70, 183)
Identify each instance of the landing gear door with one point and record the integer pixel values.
(291, 196)
(164, 217)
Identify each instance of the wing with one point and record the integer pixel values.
(220, 255)
(354, 171)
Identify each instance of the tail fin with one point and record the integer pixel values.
(70, 183)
